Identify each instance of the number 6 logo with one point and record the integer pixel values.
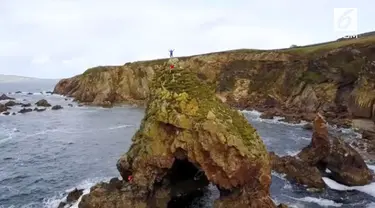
(345, 19)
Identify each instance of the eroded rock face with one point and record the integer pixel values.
(296, 170)
(337, 82)
(186, 123)
(324, 152)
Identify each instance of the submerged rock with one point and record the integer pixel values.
(188, 132)
(25, 105)
(324, 152)
(39, 109)
(43, 103)
(6, 113)
(56, 107)
(5, 97)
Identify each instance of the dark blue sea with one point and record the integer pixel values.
(43, 155)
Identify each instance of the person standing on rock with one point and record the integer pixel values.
(171, 53)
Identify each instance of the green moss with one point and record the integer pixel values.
(179, 97)
(316, 49)
(313, 77)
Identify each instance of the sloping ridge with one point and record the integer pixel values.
(334, 78)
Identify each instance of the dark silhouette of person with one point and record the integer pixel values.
(171, 53)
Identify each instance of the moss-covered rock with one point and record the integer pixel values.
(185, 121)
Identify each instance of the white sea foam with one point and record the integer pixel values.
(368, 189)
(54, 201)
(320, 201)
(255, 115)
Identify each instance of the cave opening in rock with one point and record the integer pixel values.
(187, 182)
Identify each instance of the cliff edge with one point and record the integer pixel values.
(336, 79)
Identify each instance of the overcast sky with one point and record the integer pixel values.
(61, 38)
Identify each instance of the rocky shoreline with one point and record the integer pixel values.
(187, 130)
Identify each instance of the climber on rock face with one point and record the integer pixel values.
(171, 53)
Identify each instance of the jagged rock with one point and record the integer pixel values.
(39, 109)
(6, 113)
(74, 195)
(324, 152)
(5, 97)
(25, 105)
(346, 165)
(25, 110)
(296, 170)
(187, 131)
(3, 108)
(43, 103)
(56, 107)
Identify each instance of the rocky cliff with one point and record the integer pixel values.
(336, 79)
(187, 139)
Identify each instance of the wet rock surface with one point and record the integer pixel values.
(324, 152)
(43, 103)
(25, 110)
(72, 197)
(187, 139)
(56, 107)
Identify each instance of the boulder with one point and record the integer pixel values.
(6, 113)
(3, 108)
(188, 132)
(296, 170)
(74, 195)
(43, 103)
(56, 107)
(25, 110)
(25, 105)
(5, 97)
(11, 103)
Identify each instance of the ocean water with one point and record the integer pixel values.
(44, 155)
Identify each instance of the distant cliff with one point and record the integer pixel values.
(337, 79)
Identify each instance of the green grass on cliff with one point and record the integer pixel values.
(309, 50)
(322, 47)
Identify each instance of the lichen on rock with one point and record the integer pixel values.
(186, 123)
